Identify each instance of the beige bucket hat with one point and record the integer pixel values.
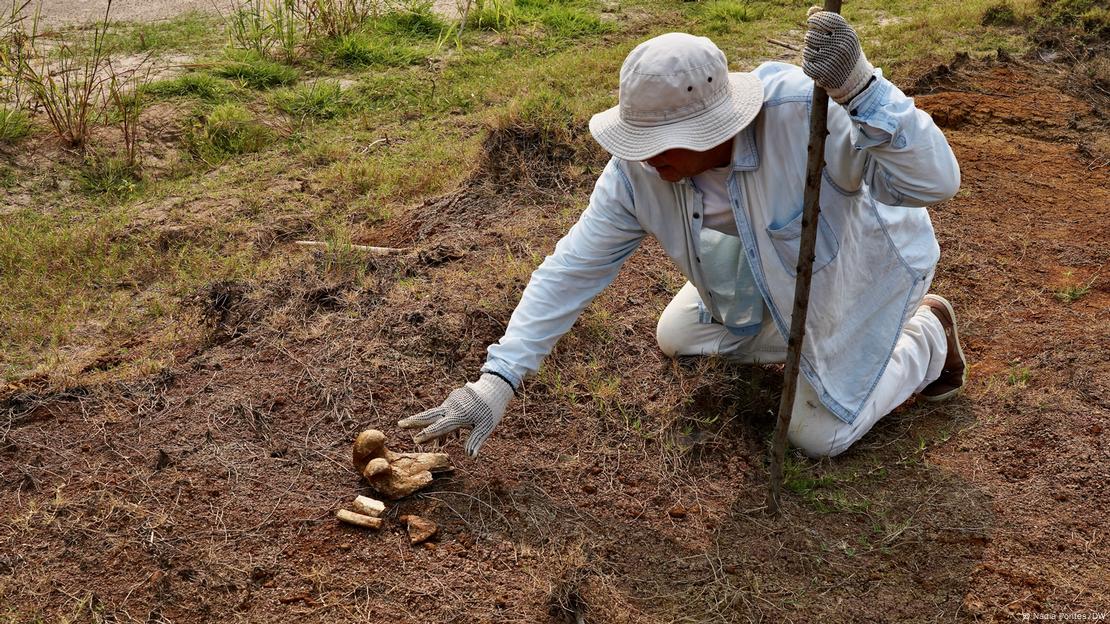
(676, 92)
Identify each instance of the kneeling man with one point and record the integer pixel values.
(712, 164)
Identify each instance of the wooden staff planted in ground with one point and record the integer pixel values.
(811, 208)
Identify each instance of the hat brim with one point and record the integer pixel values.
(701, 133)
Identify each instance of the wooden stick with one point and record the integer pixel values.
(373, 251)
(811, 209)
(788, 46)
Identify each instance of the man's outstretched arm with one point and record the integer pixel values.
(584, 262)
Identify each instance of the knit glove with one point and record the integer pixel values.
(833, 57)
(477, 406)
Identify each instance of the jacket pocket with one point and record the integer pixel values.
(787, 239)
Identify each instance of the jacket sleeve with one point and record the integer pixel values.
(882, 140)
(584, 262)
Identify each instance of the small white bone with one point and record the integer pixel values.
(368, 506)
(358, 519)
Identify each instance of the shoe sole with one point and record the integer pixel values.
(959, 349)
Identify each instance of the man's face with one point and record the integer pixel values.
(676, 164)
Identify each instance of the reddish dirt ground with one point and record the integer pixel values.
(622, 487)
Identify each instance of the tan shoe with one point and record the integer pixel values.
(953, 376)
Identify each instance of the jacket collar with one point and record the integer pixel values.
(745, 156)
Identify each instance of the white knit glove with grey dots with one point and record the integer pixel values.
(833, 57)
(477, 406)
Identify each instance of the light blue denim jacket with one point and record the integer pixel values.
(876, 249)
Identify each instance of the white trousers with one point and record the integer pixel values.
(916, 362)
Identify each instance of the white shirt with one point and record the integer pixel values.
(713, 185)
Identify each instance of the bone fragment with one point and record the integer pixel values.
(358, 519)
(375, 467)
(368, 506)
(368, 445)
(394, 475)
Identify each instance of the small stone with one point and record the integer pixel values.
(420, 529)
(677, 511)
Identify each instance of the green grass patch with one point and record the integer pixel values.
(385, 90)
(560, 19)
(1019, 375)
(1001, 14)
(194, 84)
(14, 125)
(725, 16)
(226, 130)
(496, 15)
(547, 110)
(1092, 16)
(185, 32)
(365, 49)
(57, 268)
(572, 22)
(110, 177)
(1072, 291)
(253, 71)
(322, 99)
(92, 272)
(416, 21)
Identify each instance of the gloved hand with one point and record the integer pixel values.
(833, 56)
(477, 406)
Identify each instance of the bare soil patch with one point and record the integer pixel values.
(621, 487)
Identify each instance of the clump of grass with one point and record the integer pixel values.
(361, 49)
(321, 99)
(1019, 376)
(1072, 292)
(228, 129)
(417, 20)
(186, 31)
(497, 15)
(14, 125)
(550, 112)
(195, 84)
(66, 82)
(1093, 16)
(351, 178)
(256, 72)
(125, 94)
(335, 18)
(725, 16)
(570, 22)
(378, 90)
(112, 177)
(1001, 14)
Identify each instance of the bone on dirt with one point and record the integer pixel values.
(358, 519)
(394, 475)
(368, 506)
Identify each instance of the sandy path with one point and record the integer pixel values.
(70, 12)
(73, 12)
